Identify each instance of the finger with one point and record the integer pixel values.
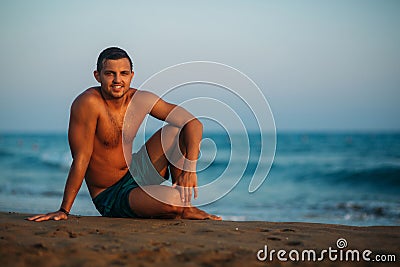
(196, 191)
(186, 194)
(183, 194)
(59, 218)
(42, 218)
(34, 217)
(39, 219)
(190, 192)
(180, 190)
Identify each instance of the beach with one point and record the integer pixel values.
(100, 241)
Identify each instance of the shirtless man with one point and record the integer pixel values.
(100, 150)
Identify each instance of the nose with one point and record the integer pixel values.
(117, 78)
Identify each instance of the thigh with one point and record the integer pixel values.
(155, 201)
(161, 146)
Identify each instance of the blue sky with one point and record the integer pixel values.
(322, 65)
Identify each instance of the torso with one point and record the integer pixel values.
(108, 164)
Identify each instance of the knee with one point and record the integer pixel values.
(169, 135)
(171, 141)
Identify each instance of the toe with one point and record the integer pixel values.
(216, 218)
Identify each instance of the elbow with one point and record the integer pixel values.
(80, 161)
(194, 126)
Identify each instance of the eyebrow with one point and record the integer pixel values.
(116, 71)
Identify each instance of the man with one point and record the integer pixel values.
(101, 146)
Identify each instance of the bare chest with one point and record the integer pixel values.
(109, 129)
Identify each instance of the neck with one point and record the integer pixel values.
(113, 102)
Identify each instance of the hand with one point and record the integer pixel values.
(58, 215)
(186, 183)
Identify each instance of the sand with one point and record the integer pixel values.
(99, 241)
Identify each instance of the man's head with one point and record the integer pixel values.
(112, 53)
(114, 72)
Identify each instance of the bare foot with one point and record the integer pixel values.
(194, 213)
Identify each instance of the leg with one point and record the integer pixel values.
(164, 201)
(145, 205)
(163, 147)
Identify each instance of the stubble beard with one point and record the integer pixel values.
(112, 95)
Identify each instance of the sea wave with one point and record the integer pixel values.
(385, 176)
(58, 160)
(5, 153)
(49, 159)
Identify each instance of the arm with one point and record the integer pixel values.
(192, 135)
(82, 127)
(191, 132)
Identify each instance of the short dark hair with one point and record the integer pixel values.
(112, 53)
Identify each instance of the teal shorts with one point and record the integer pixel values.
(114, 201)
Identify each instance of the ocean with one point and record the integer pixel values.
(339, 178)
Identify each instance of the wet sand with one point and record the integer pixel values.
(98, 241)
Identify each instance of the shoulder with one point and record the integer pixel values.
(89, 97)
(145, 95)
(88, 100)
(145, 99)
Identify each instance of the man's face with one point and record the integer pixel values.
(115, 77)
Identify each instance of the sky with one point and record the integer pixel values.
(322, 65)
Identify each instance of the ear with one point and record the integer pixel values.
(97, 76)
(132, 74)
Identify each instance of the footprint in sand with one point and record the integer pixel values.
(274, 238)
(294, 243)
(287, 230)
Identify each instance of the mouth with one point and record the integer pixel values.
(117, 87)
